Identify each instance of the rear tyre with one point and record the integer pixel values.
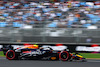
(64, 56)
(10, 55)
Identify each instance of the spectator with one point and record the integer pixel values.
(58, 14)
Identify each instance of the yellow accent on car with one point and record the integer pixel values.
(79, 56)
(35, 45)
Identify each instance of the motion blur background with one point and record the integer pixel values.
(50, 21)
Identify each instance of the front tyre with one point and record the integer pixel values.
(10, 55)
(64, 56)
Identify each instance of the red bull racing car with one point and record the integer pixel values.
(47, 52)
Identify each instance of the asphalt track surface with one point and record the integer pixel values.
(41, 63)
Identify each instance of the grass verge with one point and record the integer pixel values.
(90, 55)
(1, 54)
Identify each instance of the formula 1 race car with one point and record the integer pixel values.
(36, 52)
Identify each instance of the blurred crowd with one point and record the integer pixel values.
(70, 14)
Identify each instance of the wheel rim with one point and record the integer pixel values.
(64, 55)
(10, 55)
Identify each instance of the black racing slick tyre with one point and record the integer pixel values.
(64, 56)
(10, 55)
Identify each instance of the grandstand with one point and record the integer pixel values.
(49, 22)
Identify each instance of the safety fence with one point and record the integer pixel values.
(49, 35)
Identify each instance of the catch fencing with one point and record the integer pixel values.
(49, 35)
